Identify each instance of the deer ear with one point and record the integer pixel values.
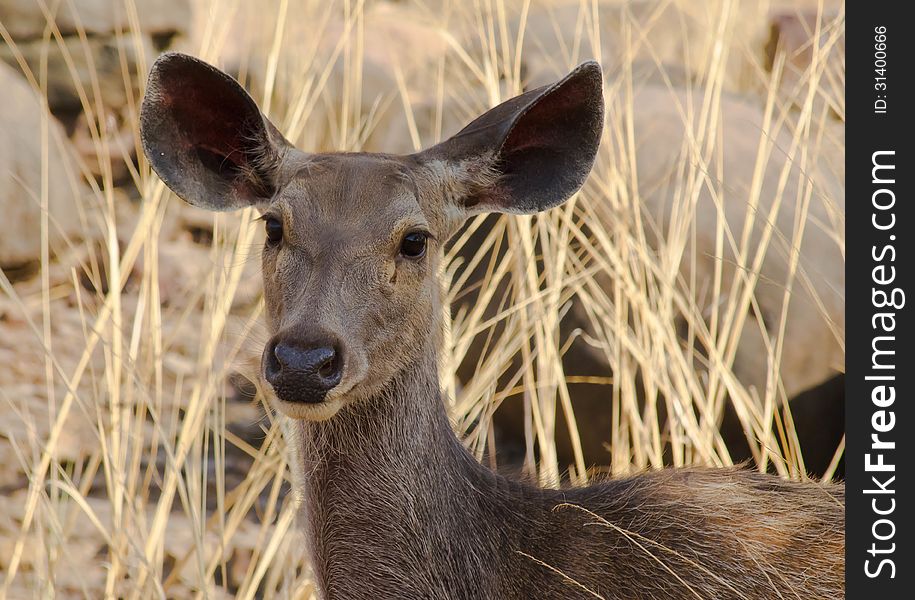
(206, 138)
(529, 153)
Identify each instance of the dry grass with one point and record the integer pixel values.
(120, 474)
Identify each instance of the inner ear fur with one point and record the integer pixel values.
(531, 152)
(205, 136)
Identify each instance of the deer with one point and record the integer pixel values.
(391, 503)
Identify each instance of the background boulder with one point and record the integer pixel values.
(22, 147)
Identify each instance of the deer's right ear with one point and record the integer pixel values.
(206, 138)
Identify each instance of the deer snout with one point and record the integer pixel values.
(302, 372)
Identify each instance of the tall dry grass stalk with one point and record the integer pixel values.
(144, 508)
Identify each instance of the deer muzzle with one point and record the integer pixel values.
(302, 372)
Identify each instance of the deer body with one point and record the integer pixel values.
(403, 511)
(392, 504)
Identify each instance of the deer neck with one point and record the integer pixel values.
(384, 485)
(404, 426)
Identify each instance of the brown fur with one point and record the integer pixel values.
(393, 505)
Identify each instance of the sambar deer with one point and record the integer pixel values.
(392, 504)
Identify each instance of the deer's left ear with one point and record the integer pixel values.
(529, 153)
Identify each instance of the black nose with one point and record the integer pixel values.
(302, 372)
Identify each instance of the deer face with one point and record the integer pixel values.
(353, 241)
(349, 271)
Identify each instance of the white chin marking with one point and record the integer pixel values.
(320, 411)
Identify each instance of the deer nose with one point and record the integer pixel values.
(302, 372)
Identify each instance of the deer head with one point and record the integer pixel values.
(354, 240)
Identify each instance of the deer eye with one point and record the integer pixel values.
(274, 229)
(414, 244)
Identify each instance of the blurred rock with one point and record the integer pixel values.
(793, 33)
(103, 68)
(97, 60)
(651, 38)
(183, 267)
(21, 156)
(388, 42)
(111, 152)
(815, 320)
(25, 19)
(647, 36)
